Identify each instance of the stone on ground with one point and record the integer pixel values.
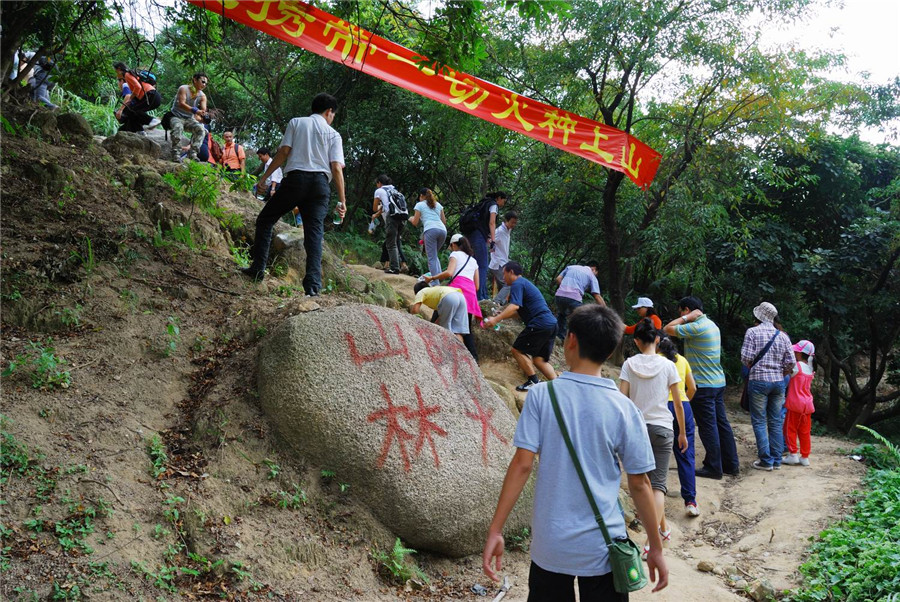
(127, 145)
(398, 409)
(74, 125)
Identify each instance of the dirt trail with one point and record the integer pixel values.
(134, 375)
(756, 525)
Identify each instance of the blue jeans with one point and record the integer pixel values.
(479, 246)
(716, 435)
(564, 307)
(685, 461)
(766, 401)
(434, 240)
(309, 191)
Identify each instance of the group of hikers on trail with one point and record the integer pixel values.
(661, 399)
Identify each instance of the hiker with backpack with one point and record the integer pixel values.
(188, 106)
(233, 156)
(391, 204)
(478, 223)
(143, 98)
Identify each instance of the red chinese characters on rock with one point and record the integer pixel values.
(407, 425)
(485, 417)
(446, 355)
(359, 359)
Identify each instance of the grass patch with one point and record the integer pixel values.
(857, 559)
(42, 365)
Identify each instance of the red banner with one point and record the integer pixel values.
(321, 33)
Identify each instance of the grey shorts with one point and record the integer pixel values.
(661, 440)
(453, 314)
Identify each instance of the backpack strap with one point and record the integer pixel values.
(460, 270)
(587, 490)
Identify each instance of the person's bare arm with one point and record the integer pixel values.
(517, 474)
(414, 220)
(475, 278)
(679, 417)
(337, 174)
(669, 328)
(599, 299)
(493, 226)
(414, 308)
(624, 387)
(690, 387)
(277, 161)
(642, 494)
(181, 99)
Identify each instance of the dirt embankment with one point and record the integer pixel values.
(148, 469)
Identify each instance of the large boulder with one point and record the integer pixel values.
(74, 126)
(398, 409)
(128, 145)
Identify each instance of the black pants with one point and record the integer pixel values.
(134, 115)
(309, 191)
(544, 586)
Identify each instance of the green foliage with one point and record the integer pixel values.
(43, 365)
(241, 255)
(159, 460)
(99, 114)
(14, 455)
(70, 316)
(519, 540)
(857, 559)
(196, 183)
(273, 469)
(287, 500)
(397, 565)
(168, 344)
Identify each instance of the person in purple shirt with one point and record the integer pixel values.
(574, 282)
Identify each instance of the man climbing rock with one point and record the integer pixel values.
(312, 154)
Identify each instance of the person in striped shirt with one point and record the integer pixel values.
(703, 350)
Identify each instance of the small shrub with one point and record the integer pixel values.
(241, 255)
(87, 259)
(396, 565)
(159, 460)
(44, 367)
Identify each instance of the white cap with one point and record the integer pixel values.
(643, 302)
(455, 238)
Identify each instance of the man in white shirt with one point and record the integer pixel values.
(268, 187)
(312, 154)
(500, 255)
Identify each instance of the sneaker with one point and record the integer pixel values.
(312, 294)
(691, 509)
(153, 124)
(758, 465)
(791, 459)
(389, 271)
(804, 461)
(526, 385)
(645, 552)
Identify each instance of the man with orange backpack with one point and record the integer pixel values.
(144, 97)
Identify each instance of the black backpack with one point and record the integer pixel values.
(475, 217)
(146, 77)
(397, 205)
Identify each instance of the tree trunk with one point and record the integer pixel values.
(17, 18)
(616, 285)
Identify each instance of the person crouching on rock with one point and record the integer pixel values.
(462, 269)
(449, 307)
(143, 97)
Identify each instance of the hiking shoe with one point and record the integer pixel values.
(705, 473)
(804, 461)
(255, 275)
(791, 459)
(526, 385)
(392, 271)
(153, 124)
(758, 465)
(691, 509)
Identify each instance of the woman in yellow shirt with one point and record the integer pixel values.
(683, 460)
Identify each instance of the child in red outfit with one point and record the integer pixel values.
(799, 404)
